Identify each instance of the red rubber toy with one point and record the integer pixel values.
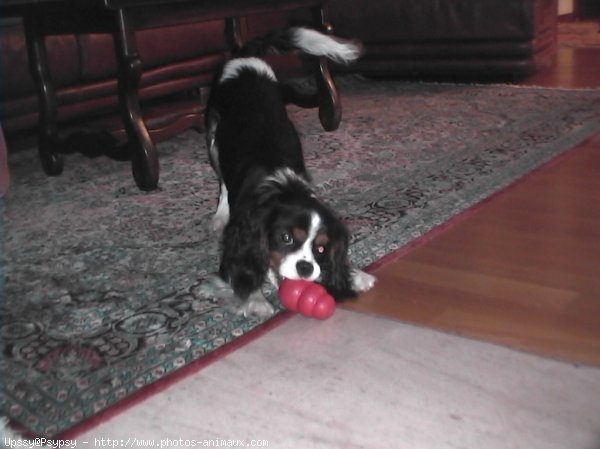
(308, 298)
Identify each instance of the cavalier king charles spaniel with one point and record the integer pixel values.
(272, 223)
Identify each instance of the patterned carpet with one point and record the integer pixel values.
(101, 294)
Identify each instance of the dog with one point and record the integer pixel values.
(273, 225)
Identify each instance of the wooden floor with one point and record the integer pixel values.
(524, 269)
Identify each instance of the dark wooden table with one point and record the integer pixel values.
(122, 18)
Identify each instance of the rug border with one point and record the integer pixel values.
(165, 383)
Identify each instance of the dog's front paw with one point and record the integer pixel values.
(361, 281)
(218, 223)
(256, 305)
(215, 287)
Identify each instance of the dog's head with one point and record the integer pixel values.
(283, 228)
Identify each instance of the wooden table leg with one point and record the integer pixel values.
(48, 140)
(4, 173)
(233, 34)
(144, 156)
(330, 107)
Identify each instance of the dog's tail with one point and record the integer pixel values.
(308, 41)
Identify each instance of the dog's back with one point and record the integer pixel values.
(254, 136)
(249, 134)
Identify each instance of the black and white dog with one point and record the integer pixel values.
(273, 224)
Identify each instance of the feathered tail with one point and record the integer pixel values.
(308, 41)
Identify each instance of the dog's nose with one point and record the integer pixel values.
(304, 268)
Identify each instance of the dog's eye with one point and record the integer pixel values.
(321, 249)
(286, 238)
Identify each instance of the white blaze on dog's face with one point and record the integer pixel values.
(297, 243)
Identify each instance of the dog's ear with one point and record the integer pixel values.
(245, 259)
(336, 276)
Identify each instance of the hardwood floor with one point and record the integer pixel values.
(524, 269)
(575, 68)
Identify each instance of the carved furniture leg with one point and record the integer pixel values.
(144, 156)
(48, 141)
(330, 108)
(233, 33)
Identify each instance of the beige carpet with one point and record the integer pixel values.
(357, 381)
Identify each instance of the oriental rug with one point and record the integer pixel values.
(101, 297)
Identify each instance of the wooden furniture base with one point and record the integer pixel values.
(122, 18)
